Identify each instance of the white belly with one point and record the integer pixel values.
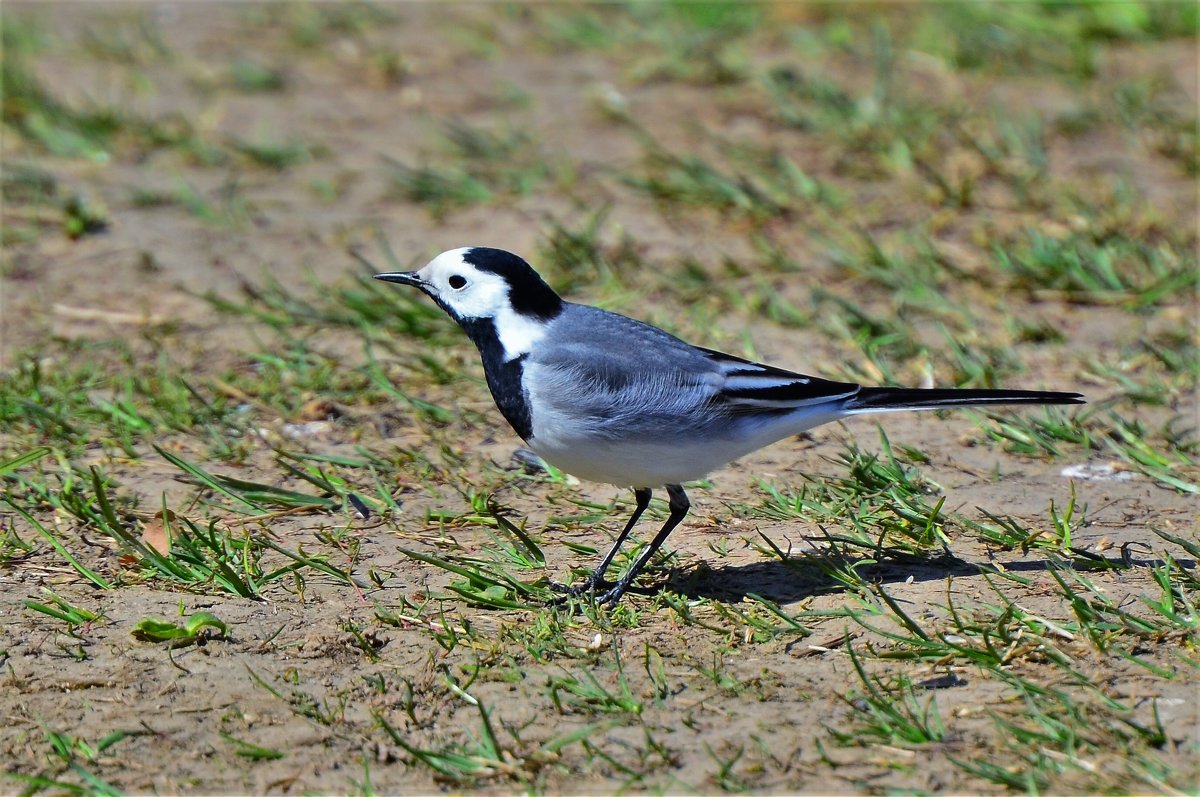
(636, 462)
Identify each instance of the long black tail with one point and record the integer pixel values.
(884, 399)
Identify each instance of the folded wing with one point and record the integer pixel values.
(749, 386)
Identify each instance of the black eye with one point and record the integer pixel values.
(457, 282)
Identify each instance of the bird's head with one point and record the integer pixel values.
(477, 282)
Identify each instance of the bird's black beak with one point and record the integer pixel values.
(402, 277)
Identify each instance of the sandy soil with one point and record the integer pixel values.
(766, 705)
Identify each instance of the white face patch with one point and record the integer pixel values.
(471, 293)
(467, 291)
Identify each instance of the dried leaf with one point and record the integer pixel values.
(154, 532)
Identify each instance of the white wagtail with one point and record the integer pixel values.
(607, 398)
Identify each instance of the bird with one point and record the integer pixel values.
(607, 398)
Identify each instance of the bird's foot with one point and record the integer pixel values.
(604, 593)
(613, 595)
(589, 584)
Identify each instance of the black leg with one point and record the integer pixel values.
(679, 506)
(642, 496)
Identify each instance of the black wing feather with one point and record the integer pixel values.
(756, 386)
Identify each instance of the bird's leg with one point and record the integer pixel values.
(642, 496)
(679, 505)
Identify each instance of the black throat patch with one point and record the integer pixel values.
(503, 378)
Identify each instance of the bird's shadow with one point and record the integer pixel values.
(813, 574)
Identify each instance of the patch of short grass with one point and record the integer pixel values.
(881, 506)
(482, 165)
(1121, 271)
(73, 394)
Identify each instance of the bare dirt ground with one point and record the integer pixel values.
(847, 638)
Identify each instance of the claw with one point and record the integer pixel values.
(611, 597)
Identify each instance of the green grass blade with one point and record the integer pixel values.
(81, 568)
(23, 459)
(206, 478)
